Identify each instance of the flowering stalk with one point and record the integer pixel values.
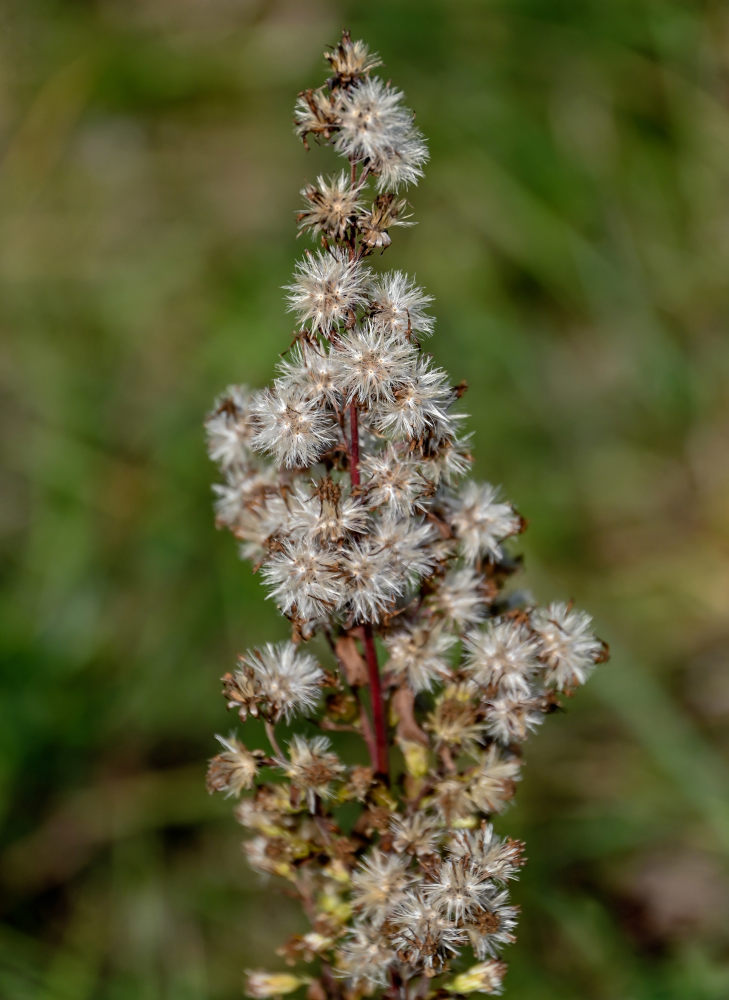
(344, 483)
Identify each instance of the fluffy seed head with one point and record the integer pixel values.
(303, 580)
(316, 113)
(567, 644)
(370, 580)
(481, 521)
(378, 884)
(332, 206)
(291, 427)
(387, 211)
(377, 129)
(460, 598)
(418, 653)
(419, 405)
(461, 889)
(500, 858)
(370, 364)
(328, 287)
(510, 718)
(416, 834)
(455, 720)
(276, 681)
(365, 958)
(423, 938)
(492, 928)
(229, 429)
(394, 482)
(494, 780)
(312, 767)
(503, 657)
(307, 370)
(350, 60)
(398, 305)
(324, 515)
(233, 770)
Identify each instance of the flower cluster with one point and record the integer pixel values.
(344, 483)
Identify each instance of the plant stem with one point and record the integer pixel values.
(270, 732)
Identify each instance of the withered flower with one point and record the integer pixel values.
(345, 484)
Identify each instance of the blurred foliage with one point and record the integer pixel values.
(573, 228)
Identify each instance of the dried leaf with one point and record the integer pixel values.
(351, 660)
(403, 705)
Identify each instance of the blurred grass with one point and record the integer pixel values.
(572, 227)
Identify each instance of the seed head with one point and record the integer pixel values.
(376, 129)
(503, 657)
(481, 521)
(350, 60)
(291, 427)
(567, 644)
(398, 306)
(423, 938)
(462, 889)
(327, 288)
(312, 767)
(365, 958)
(494, 780)
(234, 770)
(370, 364)
(418, 652)
(332, 206)
(303, 580)
(378, 885)
(275, 682)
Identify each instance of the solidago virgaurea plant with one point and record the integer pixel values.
(397, 710)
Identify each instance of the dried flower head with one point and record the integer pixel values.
(291, 427)
(351, 60)
(332, 206)
(275, 682)
(418, 654)
(502, 657)
(567, 645)
(398, 306)
(376, 129)
(370, 364)
(235, 769)
(312, 767)
(378, 885)
(481, 521)
(328, 287)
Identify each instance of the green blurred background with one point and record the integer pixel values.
(573, 227)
